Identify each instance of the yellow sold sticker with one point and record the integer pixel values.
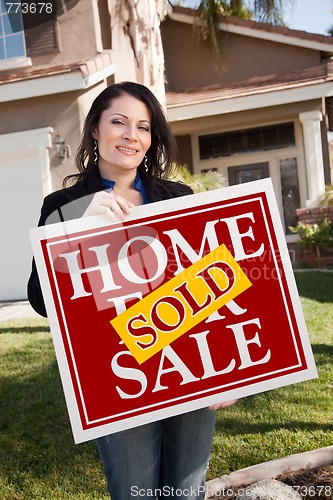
(178, 305)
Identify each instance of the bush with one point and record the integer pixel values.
(327, 198)
(205, 181)
(315, 236)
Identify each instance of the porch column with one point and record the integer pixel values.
(313, 155)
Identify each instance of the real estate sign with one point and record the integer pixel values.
(187, 303)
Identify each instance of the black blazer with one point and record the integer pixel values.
(72, 202)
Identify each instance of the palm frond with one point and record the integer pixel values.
(206, 25)
(211, 12)
(269, 11)
(199, 182)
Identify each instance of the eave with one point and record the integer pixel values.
(264, 31)
(56, 80)
(273, 90)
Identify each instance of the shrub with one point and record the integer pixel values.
(205, 181)
(327, 198)
(315, 236)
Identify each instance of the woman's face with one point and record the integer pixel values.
(123, 135)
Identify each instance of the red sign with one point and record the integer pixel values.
(92, 271)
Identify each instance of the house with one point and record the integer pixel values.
(266, 112)
(50, 72)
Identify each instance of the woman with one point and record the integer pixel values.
(124, 160)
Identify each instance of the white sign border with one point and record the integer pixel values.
(161, 209)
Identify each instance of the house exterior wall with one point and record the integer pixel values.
(58, 111)
(79, 37)
(266, 70)
(91, 27)
(243, 119)
(244, 58)
(65, 113)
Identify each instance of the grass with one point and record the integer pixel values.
(38, 457)
(291, 419)
(39, 460)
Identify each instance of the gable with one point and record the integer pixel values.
(244, 58)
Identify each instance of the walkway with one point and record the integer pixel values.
(13, 310)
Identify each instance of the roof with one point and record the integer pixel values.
(321, 73)
(49, 80)
(259, 92)
(86, 68)
(282, 88)
(256, 29)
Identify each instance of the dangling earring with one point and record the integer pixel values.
(146, 163)
(96, 155)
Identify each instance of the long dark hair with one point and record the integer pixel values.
(162, 151)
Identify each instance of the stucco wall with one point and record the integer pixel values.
(123, 55)
(65, 113)
(78, 39)
(190, 64)
(243, 119)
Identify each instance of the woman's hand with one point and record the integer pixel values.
(225, 404)
(112, 205)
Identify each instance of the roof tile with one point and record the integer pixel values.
(86, 67)
(270, 28)
(309, 76)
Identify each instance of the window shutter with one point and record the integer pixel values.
(42, 39)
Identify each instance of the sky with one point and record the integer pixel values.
(314, 16)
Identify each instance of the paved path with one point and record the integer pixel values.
(13, 310)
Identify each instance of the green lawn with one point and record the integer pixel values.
(39, 460)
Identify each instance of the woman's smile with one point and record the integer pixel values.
(126, 150)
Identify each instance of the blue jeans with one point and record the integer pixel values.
(164, 459)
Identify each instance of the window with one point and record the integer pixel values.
(24, 35)
(41, 32)
(12, 41)
(248, 173)
(290, 191)
(247, 141)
